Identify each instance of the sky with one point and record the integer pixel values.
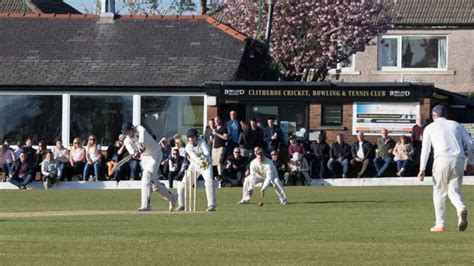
(80, 4)
(83, 5)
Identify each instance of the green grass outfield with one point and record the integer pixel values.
(321, 225)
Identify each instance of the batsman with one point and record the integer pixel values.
(139, 142)
(200, 161)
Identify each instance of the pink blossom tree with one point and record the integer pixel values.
(313, 33)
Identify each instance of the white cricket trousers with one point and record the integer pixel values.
(447, 181)
(209, 184)
(149, 174)
(250, 182)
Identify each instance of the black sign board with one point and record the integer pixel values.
(395, 94)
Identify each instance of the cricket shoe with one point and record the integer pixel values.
(211, 209)
(172, 202)
(179, 209)
(437, 229)
(243, 202)
(146, 209)
(462, 220)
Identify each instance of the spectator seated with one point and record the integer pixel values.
(177, 166)
(234, 167)
(49, 171)
(21, 172)
(299, 171)
(403, 155)
(281, 166)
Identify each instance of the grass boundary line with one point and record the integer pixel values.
(338, 182)
(83, 213)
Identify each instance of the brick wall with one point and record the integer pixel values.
(347, 110)
(314, 116)
(425, 109)
(211, 113)
(315, 122)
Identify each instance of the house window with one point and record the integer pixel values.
(165, 116)
(331, 115)
(346, 66)
(291, 117)
(347, 63)
(102, 116)
(413, 53)
(34, 116)
(389, 52)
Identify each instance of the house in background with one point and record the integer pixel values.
(431, 43)
(73, 75)
(36, 7)
(428, 53)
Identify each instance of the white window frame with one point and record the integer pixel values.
(136, 115)
(399, 67)
(36, 93)
(345, 70)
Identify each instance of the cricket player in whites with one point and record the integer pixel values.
(199, 161)
(139, 142)
(262, 170)
(447, 138)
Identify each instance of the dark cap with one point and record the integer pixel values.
(192, 133)
(127, 126)
(439, 110)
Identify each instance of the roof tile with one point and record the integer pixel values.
(36, 7)
(136, 51)
(435, 12)
(415, 12)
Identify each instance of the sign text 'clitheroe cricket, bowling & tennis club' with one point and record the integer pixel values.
(404, 94)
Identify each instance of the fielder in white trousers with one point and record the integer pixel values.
(262, 170)
(448, 139)
(138, 140)
(198, 151)
(447, 182)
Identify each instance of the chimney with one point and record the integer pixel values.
(107, 11)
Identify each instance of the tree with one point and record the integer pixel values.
(312, 33)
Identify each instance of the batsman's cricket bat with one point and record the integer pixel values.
(120, 163)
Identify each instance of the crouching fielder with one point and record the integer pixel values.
(139, 142)
(199, 161)
(262, 170)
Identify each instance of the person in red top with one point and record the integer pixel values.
(417, 138)
(295, 147)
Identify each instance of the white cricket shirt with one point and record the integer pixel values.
(447, 138)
